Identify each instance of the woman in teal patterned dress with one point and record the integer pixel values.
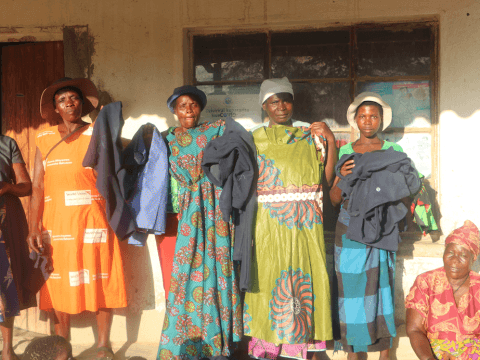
(287, 313)
(203, 314)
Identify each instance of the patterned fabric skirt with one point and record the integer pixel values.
(261, 349)
(365, 280)
(203, 311)
(462, 350)
(9, 305)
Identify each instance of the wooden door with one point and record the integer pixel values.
(27, 69)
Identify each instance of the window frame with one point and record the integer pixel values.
(352, 79)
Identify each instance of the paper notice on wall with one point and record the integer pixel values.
(243, 108)
(417, 146)
(78, 197)
(79, 277)
(95, 236)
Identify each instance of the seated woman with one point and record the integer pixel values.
(443, 306)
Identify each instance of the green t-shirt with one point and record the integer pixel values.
(348, 149)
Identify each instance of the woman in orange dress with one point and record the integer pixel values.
(74, 232)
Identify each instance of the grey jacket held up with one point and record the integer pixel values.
(230, 162)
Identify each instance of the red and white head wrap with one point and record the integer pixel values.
(467, 236)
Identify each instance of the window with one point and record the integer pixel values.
(327, 68)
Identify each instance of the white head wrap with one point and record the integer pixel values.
(274, 86)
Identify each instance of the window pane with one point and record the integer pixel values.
(394, 53)
(229, 57)
(237, 101)
(322, 102)
(311, 55)
(417, 146)
(410, 101)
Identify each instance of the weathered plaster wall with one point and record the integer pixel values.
(460, 115)
(137, 50)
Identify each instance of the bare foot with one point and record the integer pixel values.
(384, 355)
(352, 356)
(9, 355)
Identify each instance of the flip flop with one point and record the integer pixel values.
(108, 354)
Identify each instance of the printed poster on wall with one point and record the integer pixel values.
(417, 146)
(410, 101)
(243, 108)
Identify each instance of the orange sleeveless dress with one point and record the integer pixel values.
(87, 261)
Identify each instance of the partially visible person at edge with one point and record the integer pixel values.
(203, 311)
(52, 347)
(14, 182)
(68, 220)
(443, 305)
(287, 313)
(369, 114)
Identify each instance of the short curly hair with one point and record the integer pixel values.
(48, 348)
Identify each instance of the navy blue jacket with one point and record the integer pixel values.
(104, 154)
(379, 180)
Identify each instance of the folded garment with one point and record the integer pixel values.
(375, 188)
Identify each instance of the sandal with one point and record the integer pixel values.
(107, 353)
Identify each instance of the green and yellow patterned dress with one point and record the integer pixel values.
(290, 300)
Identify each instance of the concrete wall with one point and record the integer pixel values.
(459, 114)
(136, 50)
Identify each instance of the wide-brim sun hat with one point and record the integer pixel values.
(369, 96)
(185, 90)
(88, 89)
(271, 87)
